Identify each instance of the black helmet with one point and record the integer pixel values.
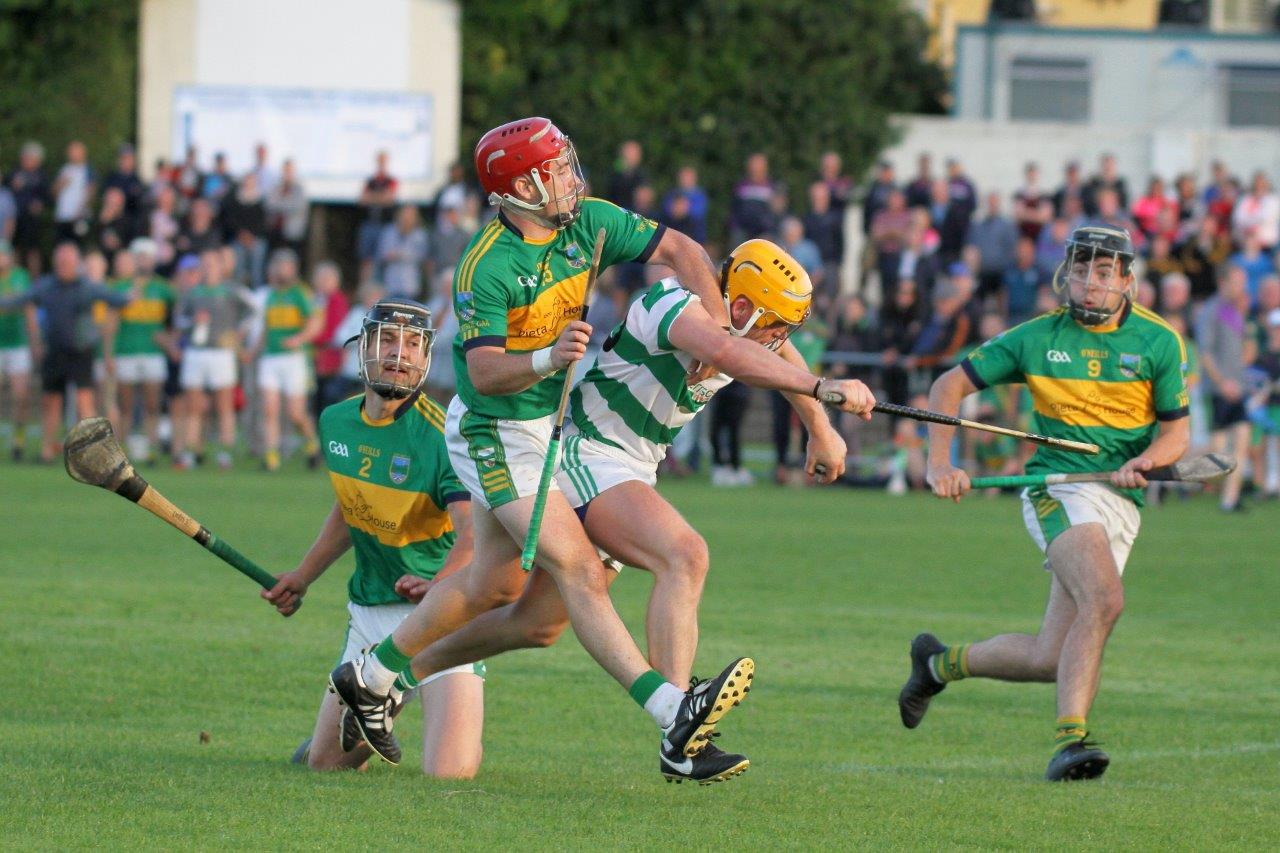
(1087, 245)
(400, 315)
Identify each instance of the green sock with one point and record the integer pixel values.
(406, 681)
(1070, 730)
(645, 686)
(950, 664)
(390, 656)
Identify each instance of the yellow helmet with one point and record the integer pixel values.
(777, 286)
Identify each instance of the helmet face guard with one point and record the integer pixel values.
(1098, 261)
(394, 347)
(557, 180)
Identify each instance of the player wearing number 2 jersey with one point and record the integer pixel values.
(1104, 370)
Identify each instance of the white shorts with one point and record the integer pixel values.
(15, 361)
(1050, 510)
(587, 469)
(149, 367)
(368, 626)
(285, 372)
(497, 460)
(208, 369)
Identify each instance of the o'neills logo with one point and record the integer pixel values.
(360, 510)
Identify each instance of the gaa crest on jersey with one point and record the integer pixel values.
(573, 255)
(399, 468)
(465, 304)
(1130, 364)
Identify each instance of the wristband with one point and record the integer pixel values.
(542, 362)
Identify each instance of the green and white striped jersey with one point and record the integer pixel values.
(641, 390)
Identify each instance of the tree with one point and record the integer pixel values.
(704, 82)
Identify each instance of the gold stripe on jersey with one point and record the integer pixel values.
(469, 261)
(535, 326)
(431, 410)
(1091, 403)
(382, 511)
(284, 317)
(1147, 314)
(144, 311)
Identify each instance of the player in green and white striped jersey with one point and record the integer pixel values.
(658, 369)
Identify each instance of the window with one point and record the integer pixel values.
(1045, 89)
(1252, 95)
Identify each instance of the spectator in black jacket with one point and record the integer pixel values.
(950, 218)
(877, 196)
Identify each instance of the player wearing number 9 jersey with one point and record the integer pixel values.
(1101, 369)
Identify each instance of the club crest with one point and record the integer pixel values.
(399, 468)
(465, 305)
(1130, 364)
(574, 256)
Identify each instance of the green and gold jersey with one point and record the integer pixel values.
(142, 318)
(394, 483)
(513, 292)
(286, 314)
(1107, 386)
(13, 322)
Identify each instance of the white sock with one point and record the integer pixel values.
(377, 677)
(664, 703)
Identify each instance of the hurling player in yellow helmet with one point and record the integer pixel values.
(659, 368)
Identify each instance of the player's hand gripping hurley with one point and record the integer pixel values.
(1201, 469)
(553, 448)
(93, 456)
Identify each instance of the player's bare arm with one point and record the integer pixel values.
(826, 449)
(694, 268)
(697, 334)
(496, 372)
(333, 540)
(945, 395)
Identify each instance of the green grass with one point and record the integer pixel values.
(123, 642)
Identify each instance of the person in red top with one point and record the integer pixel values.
(331, 387)
(1146, 210)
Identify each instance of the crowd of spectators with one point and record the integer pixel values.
(945, 265)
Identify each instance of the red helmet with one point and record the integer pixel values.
(533, 148)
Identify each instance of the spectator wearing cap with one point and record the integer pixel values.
(1257, 214)
(1107, 178)
(377, 202)
(124, 177)
(73, 191)
(628, 173)
(66, 338)
(694, 212)
(402, 252)
(996, 238)
(16, 326)
(876, 198)
(287, 210)
(1032, 206)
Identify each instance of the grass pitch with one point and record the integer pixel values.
(123, 643)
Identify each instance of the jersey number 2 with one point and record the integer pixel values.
(365, 466)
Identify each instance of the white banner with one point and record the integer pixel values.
(332, 136)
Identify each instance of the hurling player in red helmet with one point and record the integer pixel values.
(517, 295)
